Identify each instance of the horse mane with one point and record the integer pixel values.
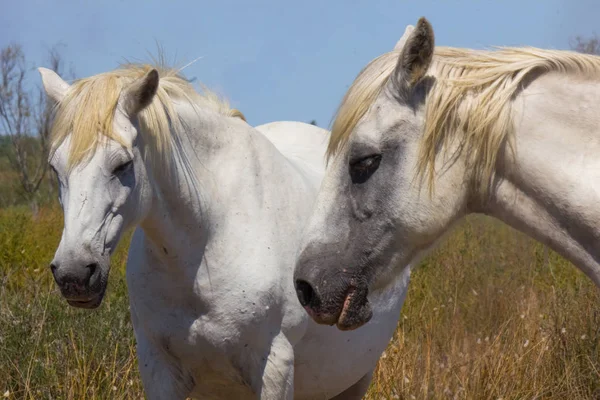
(469, 101)
(87, 111)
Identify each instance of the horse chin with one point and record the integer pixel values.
(356, 310)
(320, 318)
(89, 304)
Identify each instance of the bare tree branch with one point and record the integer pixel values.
(586, 45)
(25, 116)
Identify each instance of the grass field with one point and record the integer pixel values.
(491, 314)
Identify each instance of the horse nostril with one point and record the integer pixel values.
(91, 270)
(305, 292)
(53, 268)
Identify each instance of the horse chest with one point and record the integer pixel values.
(216, 354)
(217, 344)
(189, 330)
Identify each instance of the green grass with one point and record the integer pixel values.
(48, 349)
(490, 314)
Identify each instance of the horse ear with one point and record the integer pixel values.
(400, 45)
(54, 86)
(140, 93)
(416, 55)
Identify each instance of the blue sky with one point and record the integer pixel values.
(278, 60)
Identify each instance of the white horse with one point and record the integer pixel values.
(219, 209)
(424, 137)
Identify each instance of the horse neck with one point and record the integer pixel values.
(209, 183)
(549, 187)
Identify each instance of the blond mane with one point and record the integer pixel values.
(469, 101)
(88, 109)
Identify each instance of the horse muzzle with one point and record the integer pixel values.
(82, 284)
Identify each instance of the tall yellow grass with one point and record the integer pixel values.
(491, 314)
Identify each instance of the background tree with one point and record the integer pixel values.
(589, 45)
(25, 117)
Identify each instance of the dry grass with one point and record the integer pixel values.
(47, 349)
(492, 315)
(489, 315)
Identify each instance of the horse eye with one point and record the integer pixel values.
(123, 167)
(361, 170)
